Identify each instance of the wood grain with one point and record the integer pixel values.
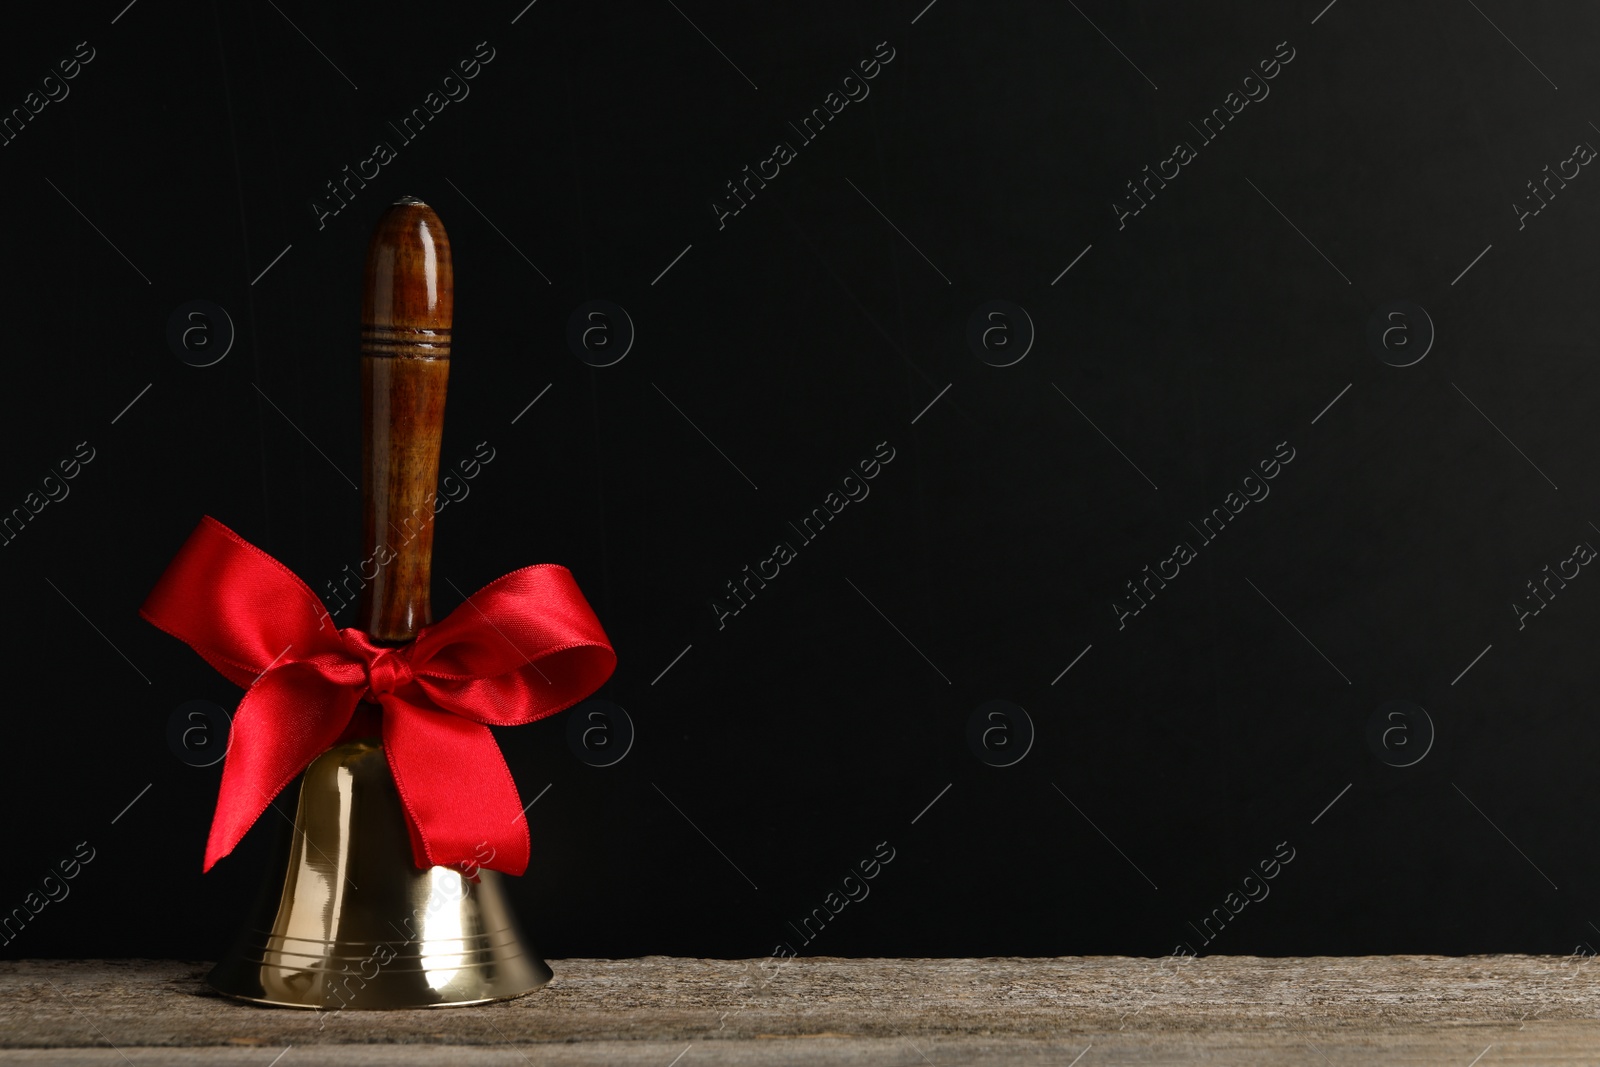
(407, 305)
(656, 1011)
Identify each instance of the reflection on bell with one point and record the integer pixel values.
(357, 925)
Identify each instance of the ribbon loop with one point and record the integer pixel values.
(522, 648)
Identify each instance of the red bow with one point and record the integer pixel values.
(521, 648)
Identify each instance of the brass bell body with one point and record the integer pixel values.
(357, 925)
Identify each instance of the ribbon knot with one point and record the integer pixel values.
(521, 648)
(388, 668)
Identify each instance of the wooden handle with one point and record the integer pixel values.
(406, 308)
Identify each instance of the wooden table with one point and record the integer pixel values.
(666, 1012)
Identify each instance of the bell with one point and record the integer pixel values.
(357, 925)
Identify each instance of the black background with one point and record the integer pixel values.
(1222, 320)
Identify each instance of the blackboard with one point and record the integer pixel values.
(1115, 471)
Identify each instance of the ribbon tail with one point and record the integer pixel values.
(461, 804)
(287, 718)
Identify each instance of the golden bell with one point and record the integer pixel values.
(358, 925)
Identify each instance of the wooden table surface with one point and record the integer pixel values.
(1476, 1011)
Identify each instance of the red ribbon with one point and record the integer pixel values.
(521, 648)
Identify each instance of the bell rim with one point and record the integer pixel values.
(269, 1003)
